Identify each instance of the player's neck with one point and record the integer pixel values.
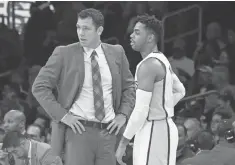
(148, 49)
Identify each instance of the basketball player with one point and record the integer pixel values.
(158, 91)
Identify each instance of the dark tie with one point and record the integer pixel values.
(97, 88)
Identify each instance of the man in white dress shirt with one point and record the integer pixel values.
(158, 91)
(96, 94)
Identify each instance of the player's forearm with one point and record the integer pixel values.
(124, 141)
(139, 114)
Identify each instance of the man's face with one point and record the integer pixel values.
(34, 133)
(204, 78)
(219, 78)
(87, 32)
(11, 123)
(139, 37)
(18, 152)
(192, 128)
(8, 93)
(216, 120)
(212, 31)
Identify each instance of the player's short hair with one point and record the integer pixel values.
(96, 15)
(152, 24)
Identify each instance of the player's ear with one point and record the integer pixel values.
(151, 38)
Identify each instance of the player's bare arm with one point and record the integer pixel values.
(148, 73)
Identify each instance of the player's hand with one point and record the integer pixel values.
(117, 123)
(120, 153)
(74, 123)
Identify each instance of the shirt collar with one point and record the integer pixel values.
(89, 51)
(30, 149)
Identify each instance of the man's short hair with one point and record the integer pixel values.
(42, 133)
(12, 139)
(223, 114)
(96, 16)
(205, 140)
(152, 24)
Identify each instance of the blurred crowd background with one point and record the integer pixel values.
(198, 39)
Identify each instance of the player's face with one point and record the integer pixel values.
(139, 37)
(87, 32)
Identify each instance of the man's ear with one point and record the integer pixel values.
(100, 30)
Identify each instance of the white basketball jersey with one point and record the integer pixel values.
(162, 104)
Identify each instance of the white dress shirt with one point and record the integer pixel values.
(30, 152)
(84, 105)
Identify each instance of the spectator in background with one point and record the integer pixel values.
(183, 150)
(201, 80)
(231, 54)
(42, 121)
(181, 62)
(35, 132)
(29, 151)
(39, 25)
(220, 77)
(66, 18)
(14, 120)
(217, 118)
(223, 151)
(112, 12)
(205, 142)
(193, 126)
(11, 100)
(206, 53)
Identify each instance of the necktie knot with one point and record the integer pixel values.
(93, 54)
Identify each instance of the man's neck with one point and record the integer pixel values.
(95, 45)
(148, 49)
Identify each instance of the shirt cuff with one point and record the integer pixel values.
(63, 120)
